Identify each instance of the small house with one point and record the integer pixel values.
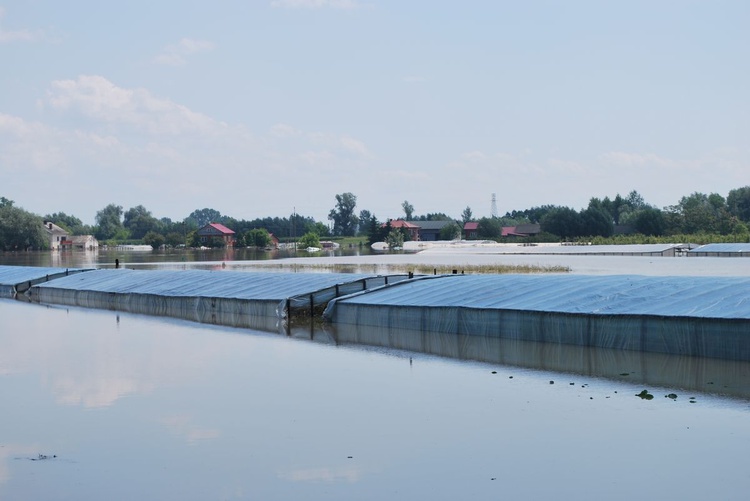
(84, 242)
(216, 231)
(58, 237)
(411, 229)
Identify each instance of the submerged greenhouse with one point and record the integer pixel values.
(15, 279)
(225, 297)
(696, 316)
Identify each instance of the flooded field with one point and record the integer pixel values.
(361, 260)
(109, 405)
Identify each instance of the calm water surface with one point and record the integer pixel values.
(107, 405)
(361, 260)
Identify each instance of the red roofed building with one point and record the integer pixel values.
(412, 229)
(471, 230)
(213, 231)
(522, 230)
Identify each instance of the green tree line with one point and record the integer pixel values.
(723, 218)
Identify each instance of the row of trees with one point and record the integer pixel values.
(695, 213)
(19, 229)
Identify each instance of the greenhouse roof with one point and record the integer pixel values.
(705, 297)
(14, 275)
(723, 248)
(201, 283)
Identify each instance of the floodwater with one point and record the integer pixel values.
(108, 405)
(361, 260)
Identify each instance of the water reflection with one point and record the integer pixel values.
(705, 375)
(196, 411)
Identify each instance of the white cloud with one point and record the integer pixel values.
(16, 35)
(127, 146)
(354, 145)
(284, 130)
(314, 4)
(317, 158)
(177, 54)
(475, 156)
(97, 98)
(624, 159)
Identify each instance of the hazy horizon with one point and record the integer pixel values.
(263, 108)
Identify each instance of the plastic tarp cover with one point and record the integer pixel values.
(204, 295)
(23, 277)
(697, 316)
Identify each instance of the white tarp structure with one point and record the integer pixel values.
(697, 316)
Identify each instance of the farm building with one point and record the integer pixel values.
(429, 231)
(471, 230)
(411, 229)
(216, 231)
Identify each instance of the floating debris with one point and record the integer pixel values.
(645, 395)
(673, 396)
(624, 373)
(551, 382)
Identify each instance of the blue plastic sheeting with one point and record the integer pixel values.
(200, 283)
(12, 277)
(722, 248)
(701, 297)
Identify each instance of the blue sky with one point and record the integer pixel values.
(255, 108)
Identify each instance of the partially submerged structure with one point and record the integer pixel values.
(57, 236)
(661, 250)
(721, 250)
(696, 316)
(223, 297)
(19, 279)
(216, 232)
